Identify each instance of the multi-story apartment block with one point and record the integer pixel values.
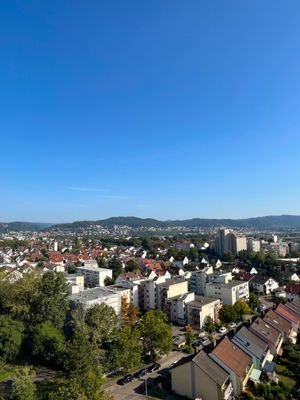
(198, 279)
(199, 309)
(229, 241)
(94, 277)
(229, 292)
(253, 245)
(168, 289)
(90, 297)
(175, 307)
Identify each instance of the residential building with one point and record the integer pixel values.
(201, 377)
(253, 245)
(198, 280)
(175, 307)
(283, 325)
(199, 309)
(228, 241)
(235, 361)
(255, 347)
(229, 292)
(170, 288)
(90, 297)
(289, 315)
(272, 336)
(94, 277)
(132, 281)
(263, 285)
(75, 282)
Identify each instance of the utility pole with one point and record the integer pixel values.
(146, 391)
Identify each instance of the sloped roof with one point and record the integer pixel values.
(265, 331)
(251, 342)
(287, 314)
(232, 356)
(211, 368)
(278, 321)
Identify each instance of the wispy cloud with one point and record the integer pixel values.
(86, 189)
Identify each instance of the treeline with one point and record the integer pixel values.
(37, 326)
(12, 243)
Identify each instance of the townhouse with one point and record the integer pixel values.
(272, 336)
(200, 377)
(235, 361)
(283, 325)
(255, 347)
(289, 315)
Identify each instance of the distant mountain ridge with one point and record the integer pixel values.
(23, 226)
(276, 222)
(267, 222)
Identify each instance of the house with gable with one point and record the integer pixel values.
(200, 377)
(235, 361)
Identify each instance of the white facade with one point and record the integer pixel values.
(95, 277)
(90, 297)
(228, 293)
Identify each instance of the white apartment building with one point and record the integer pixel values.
(198, 279)
(90, 297)
(175, 307)
(229, 292)
(95, 276)
(253, 245)
(229, 241)
(199, 309)
(168, 289)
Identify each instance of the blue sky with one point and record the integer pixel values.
(160, 108)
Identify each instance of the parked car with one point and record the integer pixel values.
(140, 373)
(222, 330)
(154, 367)
(126, 379)
(232, 325)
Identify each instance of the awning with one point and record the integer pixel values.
(255, 375)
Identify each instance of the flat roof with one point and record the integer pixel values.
(230, 284)
(202, 301)
(92, 294)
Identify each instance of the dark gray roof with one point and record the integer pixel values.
(250, 341)
(211, 368)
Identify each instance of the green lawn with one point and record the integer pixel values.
(9, 371)
(289, 382)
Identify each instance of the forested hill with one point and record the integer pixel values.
(267, 222)
(22, 226)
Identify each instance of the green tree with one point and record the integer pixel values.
(227, 314)
(157, 334)
(116, 266)
(209, 325)
(48, 343)
(253, 300)
(132, 266)
(147, 244)
(102, 322)
(127, 349)
(241, 308)
(189, 338)
(51, 300)
(102, 263)
(23, 387)
(80, 355)
(11, 336)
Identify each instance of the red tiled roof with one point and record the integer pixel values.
(287, 314)
(293, 288)
(232, 356)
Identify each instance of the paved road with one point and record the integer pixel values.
(127, 392)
